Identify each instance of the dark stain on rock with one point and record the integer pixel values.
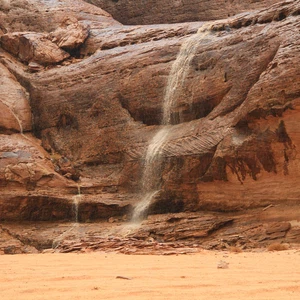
(282, 134)
(67, 121)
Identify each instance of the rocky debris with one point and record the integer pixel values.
(34, 67)
(222, 264)
(12, 244)
(70, 35)
(179, 227)
(160, 234)
(128, 246)
(32, 46)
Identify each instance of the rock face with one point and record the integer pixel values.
(15, 112)
(176, 11)
(86, 96)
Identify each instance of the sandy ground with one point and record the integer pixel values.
(267, 275)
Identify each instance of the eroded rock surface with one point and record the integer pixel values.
(31, 46)
(176, 11)
(168, 234)
(15, 111)
(233, 136)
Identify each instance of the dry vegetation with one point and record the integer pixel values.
(235, 249)
(278, 247)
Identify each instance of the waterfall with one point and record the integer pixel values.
(151, 178)
(76, 200)
(75, 227)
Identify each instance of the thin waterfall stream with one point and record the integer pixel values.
(76, 200)
(17, 119)
(75, 225)
(151, 178)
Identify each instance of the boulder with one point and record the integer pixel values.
(32, 46)
(70, 35)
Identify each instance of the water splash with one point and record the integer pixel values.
(75, 226)
(151, 179)
(142, 207)
(156, 144)
(150, 182)
(76, 201)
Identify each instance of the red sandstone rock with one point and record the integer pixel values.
(235, 146)
(45, 16)
(31, 46)
(15, 111)
(176, 11)
(70, 35)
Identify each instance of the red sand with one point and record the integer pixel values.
(264, 275)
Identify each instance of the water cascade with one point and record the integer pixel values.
(76, 200)
(75, 226)
(151, 178)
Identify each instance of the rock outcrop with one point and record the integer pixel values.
(82, 98)
(176, 11)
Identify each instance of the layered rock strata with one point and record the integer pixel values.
(96, 105)
(176, 11)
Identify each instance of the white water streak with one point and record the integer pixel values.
(18, 120)
(152, 168)
(76, 201)
(143, 206)
(156, 144)
(179, 72)
(75, 209)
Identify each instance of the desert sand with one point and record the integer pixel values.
(250, 275)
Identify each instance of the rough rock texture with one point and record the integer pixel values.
(15, 112)
(45, 16)
(175, 11)
(234, 133)
(34, 47)
(168, 234)
(70, 35)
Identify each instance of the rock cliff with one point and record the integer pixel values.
(81, 98)
(175, 11)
